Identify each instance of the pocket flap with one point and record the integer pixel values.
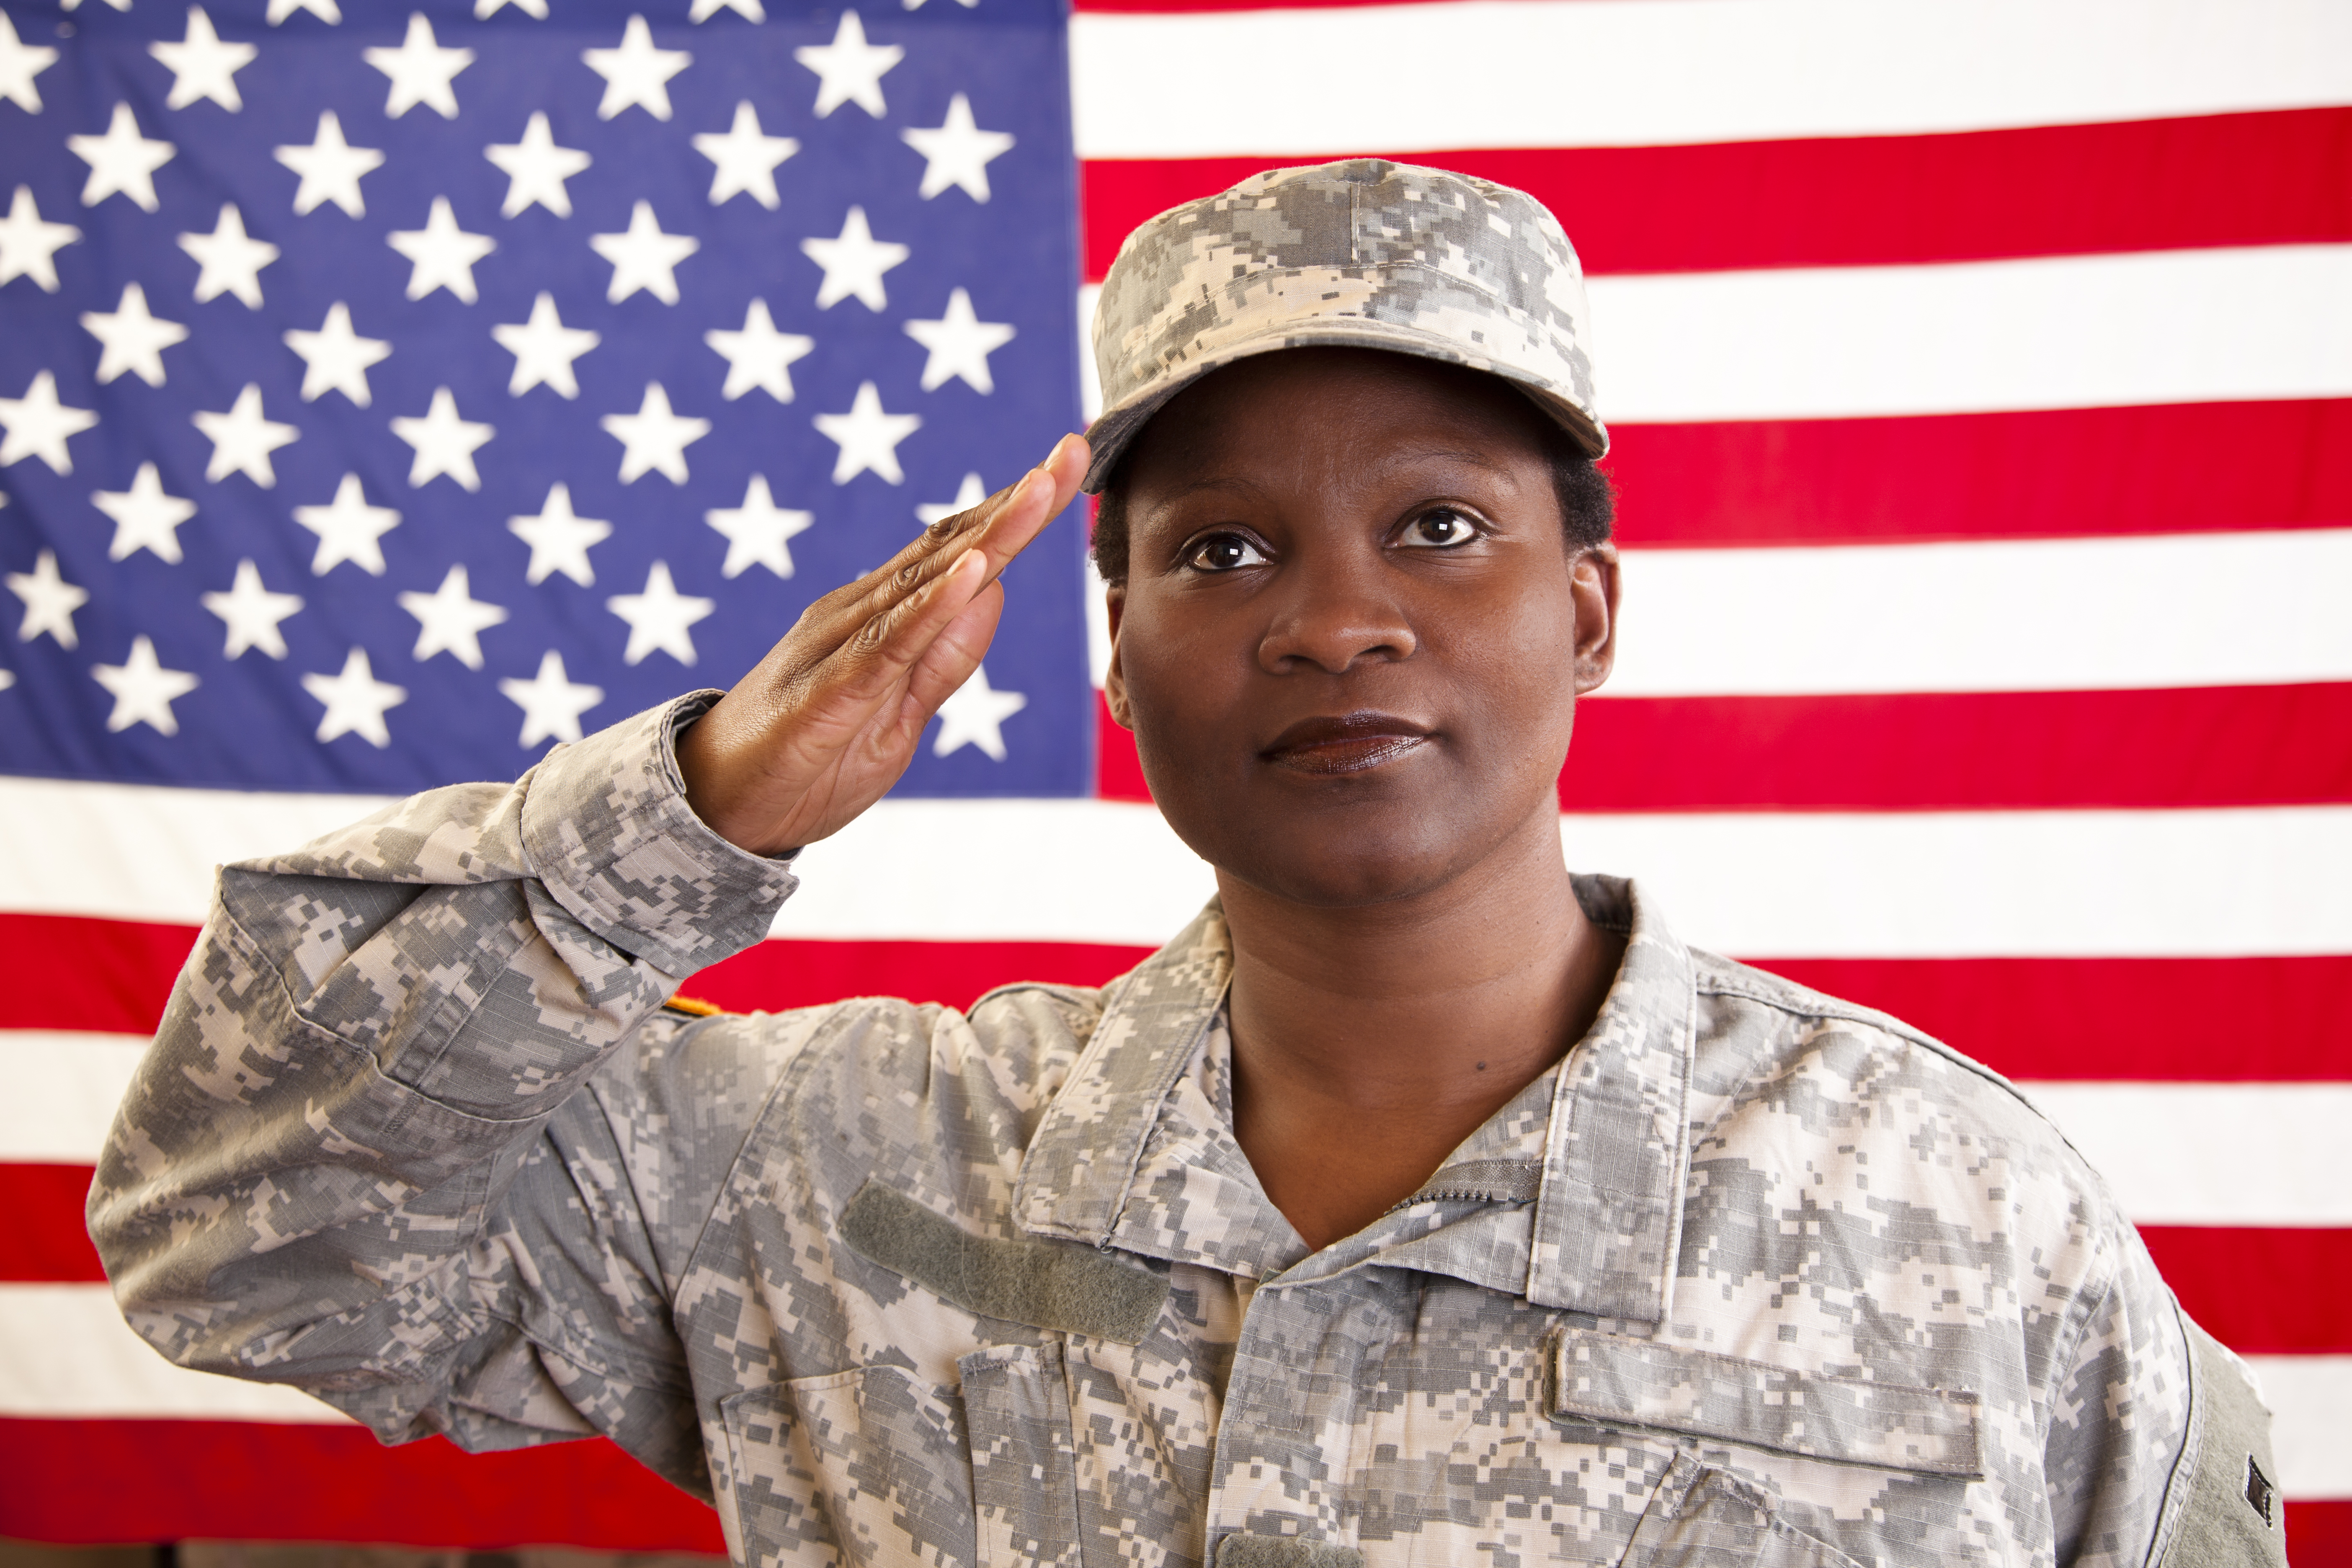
(1845, 1420)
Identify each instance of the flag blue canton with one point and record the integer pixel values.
(385, 398)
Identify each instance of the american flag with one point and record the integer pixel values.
(387, 394)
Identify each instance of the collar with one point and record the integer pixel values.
(1137, 1150)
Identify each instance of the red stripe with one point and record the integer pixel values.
(2214, 746)
(779, 974)
(243, 1481)
(44, 1241)
(166, 1480)
(2268, 178)
(2300, 1309)
(2060, 473)
(2288, 1019)
(73, 973)
(2320, 1534)
(2183, 1020)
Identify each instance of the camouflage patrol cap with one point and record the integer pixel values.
(1358, 254)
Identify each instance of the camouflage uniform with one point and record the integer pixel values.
(1752, 1275)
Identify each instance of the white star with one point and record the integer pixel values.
(558, 538)
(242, 440)
(331, 168)
(117, 5)
(643, 257)
(421, 71)
(130, 339)
(654, 437)
(327, 11)
(251, 613)
(443, 254)
(918, 5)
(745, 158)
(536, 168)
(144, 690)
(868, 438)
(20, 63)
(486, 9)
(49, 601)
(974, 716)
(756, 531)
(445, 444)
(29, 243)
(451, 620)
(38, 426)
(636, 73)
(335, 358)
(551, 703)
(144, 517)
(356, 700)
(122, 161)
(229, 260)
(544, 349)
(969, 494)
(706, 9)
(202, 65)
(658, 617)
(958, 153)
(960, 343)
(758, 356)
(853, 263)
(348, 530)
(848, 69)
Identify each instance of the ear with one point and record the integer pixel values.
(1115, 679)
(1594, 592)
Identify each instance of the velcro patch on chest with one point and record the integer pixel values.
(1060, 1285)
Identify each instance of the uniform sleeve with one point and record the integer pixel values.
(2147, 1412)
(355, 1159)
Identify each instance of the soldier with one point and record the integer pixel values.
(1420, 1203)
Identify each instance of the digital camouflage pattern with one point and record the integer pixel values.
(1359, 254)
(1752, 1277)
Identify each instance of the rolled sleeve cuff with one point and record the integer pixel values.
(609, 833)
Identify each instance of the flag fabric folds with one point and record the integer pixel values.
(387, 395)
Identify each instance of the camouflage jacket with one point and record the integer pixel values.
(1752, 1275)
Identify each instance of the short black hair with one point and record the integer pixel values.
(1588, 505)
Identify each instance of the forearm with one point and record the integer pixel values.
(369, 1038)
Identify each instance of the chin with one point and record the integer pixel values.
(1338, 860)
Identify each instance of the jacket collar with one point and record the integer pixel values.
(1137, 1150)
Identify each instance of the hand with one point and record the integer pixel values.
(823, 727)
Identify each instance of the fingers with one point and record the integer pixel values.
(1001, 527)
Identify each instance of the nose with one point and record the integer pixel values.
(1328, 614)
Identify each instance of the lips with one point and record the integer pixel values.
(1348, 743)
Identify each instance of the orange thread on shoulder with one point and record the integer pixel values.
(694, 1006)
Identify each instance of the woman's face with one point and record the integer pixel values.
(1352, 633)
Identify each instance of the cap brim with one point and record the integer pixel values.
(1115, 427)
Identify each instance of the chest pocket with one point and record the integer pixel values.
(1892, 1454)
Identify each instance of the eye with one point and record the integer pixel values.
(1440, 528)
(1223, 553)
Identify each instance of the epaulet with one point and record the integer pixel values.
(693, 1007)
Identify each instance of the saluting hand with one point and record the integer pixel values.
(823, 727)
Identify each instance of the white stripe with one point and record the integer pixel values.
(145, 851)
(2310, 1398)
(1785, 885)
(2041, 615)
(62, 1091)
(65, 1351)
(1583, 73)
(2175, 1153)
(2225, 324)
(2074, 331)
(2213, 1153)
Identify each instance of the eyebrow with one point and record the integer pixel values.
(1421, 454)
